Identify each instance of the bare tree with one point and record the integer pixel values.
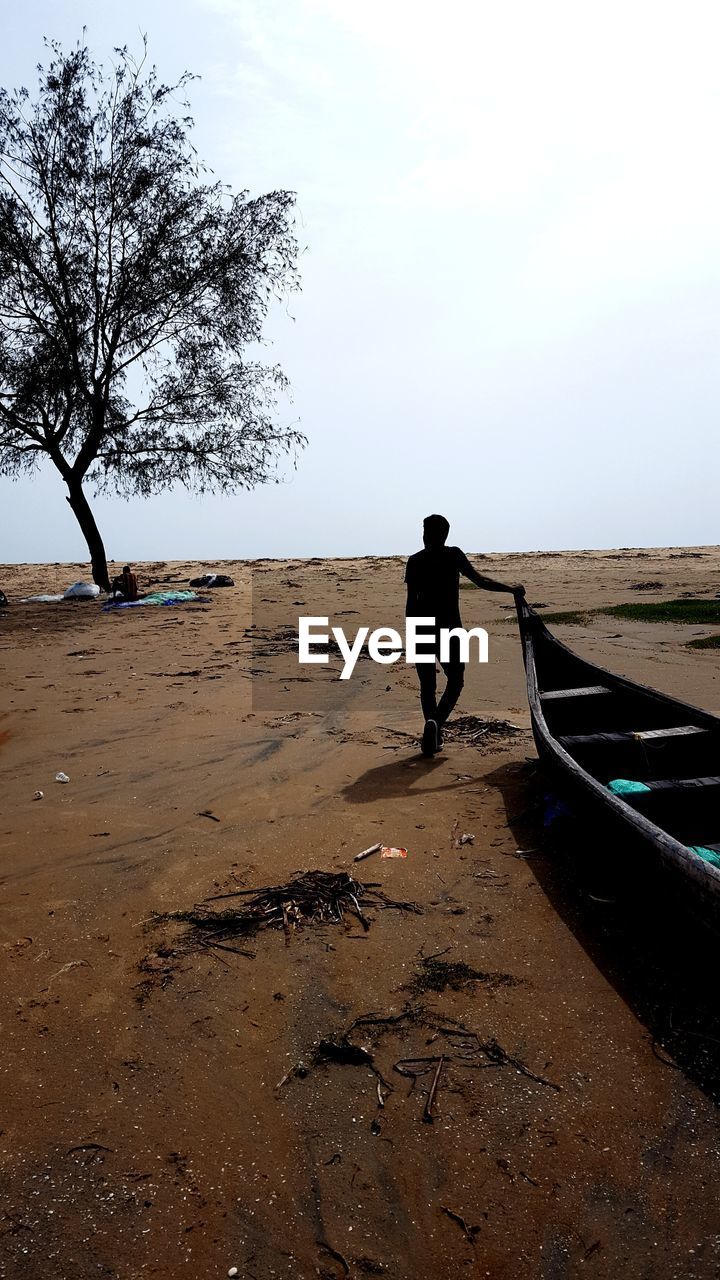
(131, 289)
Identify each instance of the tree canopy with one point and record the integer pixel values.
(132, 288)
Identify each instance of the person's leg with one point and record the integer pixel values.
(427, 676)
(455, 674)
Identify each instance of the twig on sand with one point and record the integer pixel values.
(427, 1113)
(236, 951)
(496, 1053)
(405, 1067)
(238, 893)
(293, 1071)
(468, 1232)
(378, 1020)
(434, 955)
(457, 841)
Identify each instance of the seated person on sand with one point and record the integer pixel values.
(433, 590)
(125, 585)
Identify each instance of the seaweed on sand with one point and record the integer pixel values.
(437, 975)
(704, 642)
(462, 1048)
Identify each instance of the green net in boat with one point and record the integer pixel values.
(626, 787)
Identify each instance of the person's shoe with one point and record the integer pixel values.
(429, 744)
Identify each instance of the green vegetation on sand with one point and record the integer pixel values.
(705, 642)
(697, 612)
(691, 611)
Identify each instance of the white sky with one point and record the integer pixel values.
(511, 282)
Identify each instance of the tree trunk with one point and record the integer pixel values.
(85, 518)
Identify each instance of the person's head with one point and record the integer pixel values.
(435, 531)
(126, 568)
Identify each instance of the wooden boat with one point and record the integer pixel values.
(594, 729)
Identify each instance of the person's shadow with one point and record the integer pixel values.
(635, 928)
(406, 777)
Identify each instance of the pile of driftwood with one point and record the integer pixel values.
(314, 897)
(474, 730)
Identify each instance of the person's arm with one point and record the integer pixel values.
(412, 607)
(487, 584)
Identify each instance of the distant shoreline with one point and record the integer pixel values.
(682, 549)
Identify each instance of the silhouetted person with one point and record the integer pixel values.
(433, 591)
(125, 584)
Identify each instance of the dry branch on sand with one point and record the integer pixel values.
(474, 730)
(313, 897)
(462, 1049)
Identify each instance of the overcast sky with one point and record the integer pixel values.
(511, 283)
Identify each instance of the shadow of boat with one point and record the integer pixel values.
(659, 958)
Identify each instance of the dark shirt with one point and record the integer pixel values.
(433, 583)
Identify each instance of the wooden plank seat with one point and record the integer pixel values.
(643, 735)
(683, 784)
(591, 691)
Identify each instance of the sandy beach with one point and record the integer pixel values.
(168, 1111)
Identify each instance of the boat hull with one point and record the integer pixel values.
(673, 736)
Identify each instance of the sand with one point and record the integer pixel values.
(144, 1129)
